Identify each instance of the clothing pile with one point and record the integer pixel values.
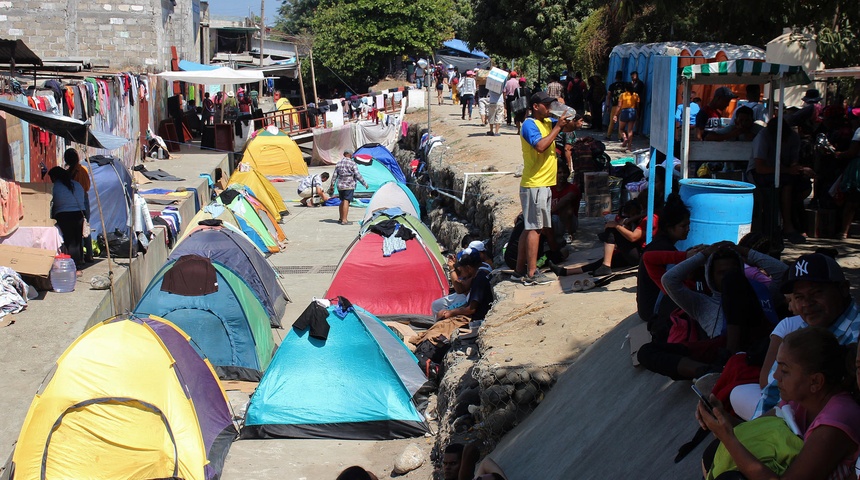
(13, 292)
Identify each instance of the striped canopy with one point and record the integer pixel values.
(743, 71)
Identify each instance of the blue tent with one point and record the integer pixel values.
(374, 172)
(113, 182)
(225, 319)
(382, 155)
(358, 384)
(231, 249)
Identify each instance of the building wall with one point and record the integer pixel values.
(128, 34)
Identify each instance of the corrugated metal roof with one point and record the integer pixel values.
(19, 52)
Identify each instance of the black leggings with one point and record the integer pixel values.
(626, 252)
(466, 100)
(71, 225)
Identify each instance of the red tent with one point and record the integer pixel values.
(402, 285)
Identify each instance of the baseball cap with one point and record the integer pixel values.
(725, 92)
(813, 267)
(477, 245)
(541, 97)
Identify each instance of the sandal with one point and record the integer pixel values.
(587, 284)
(577, 286)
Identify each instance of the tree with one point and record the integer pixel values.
(294, 16)
(357, 38)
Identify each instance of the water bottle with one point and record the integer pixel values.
(557, 109)
(63, 274)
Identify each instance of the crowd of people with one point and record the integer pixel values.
(779, 338)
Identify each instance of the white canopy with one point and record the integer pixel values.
(219, 76)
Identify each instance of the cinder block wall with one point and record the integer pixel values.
(129, 34)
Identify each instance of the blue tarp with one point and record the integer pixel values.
(461, 47)
(187, 66)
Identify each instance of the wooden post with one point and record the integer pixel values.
(313, 75)
(301, 83)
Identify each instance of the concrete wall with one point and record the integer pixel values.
(128, 34)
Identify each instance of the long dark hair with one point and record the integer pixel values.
(61, 175)
(674, 212)
(817, 350)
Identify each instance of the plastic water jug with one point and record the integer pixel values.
(63, 275)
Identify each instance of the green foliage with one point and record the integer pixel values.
(356, 38)
(295, 16)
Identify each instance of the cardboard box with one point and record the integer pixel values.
(598, 205)
(595, 183)
(496, 80)
(36, 202)
(33, 264)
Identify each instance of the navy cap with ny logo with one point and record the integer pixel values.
(814, 267)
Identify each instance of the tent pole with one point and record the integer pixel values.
(104, 227)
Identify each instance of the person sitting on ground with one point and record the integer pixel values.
(673, 226)
(310, 189)
(564, 207)
(624, 241)
(451, 459)
(732, 316)
(816, 384)
(744, 128)
(480, 296)
(356, 473)
(460, 283)
(821, 295)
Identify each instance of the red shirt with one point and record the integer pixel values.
(558, 193)
(643, 225)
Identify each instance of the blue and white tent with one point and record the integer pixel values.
(357, 384)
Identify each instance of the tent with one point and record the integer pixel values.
(401, 286)
(268, 219)
(385, 157)
(416, 225)
(357, 384)
(458, 53)
(274, 155)
(130, 398)
(261, 188)
(217, 211)
(226, 320)
(639, 57)
(374, 172)
(113, 182)
(217, 76)
(236, 252)
(391, 195)
(249, 220)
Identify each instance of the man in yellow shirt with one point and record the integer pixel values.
(539, 173)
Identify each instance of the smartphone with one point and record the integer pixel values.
(703, 399)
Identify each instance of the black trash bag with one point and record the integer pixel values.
(118, 245)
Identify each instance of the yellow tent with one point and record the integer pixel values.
(275, 155)
(123, 402)
(262, 189)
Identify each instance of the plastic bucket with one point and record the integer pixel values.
(719, 210)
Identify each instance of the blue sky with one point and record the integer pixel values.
(239, 8)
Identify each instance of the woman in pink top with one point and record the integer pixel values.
(812, 378)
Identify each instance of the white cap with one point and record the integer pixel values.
(478, 245)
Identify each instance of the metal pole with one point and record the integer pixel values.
(262, 35)
(427, 78)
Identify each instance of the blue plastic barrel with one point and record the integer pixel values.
(719, 210)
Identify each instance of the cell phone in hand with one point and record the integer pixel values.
(703, 399)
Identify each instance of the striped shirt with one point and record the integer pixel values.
(346, 175)
(847, 330)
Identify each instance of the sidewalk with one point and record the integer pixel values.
(30, 346)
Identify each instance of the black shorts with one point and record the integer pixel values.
(346, 195)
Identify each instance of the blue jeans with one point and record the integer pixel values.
(419, 82)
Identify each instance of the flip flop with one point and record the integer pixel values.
(588, 284)
(577, 286)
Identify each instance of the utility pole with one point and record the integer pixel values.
(262, 35)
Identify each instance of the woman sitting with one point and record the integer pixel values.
(814, 381)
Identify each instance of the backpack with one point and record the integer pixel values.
(683, 328)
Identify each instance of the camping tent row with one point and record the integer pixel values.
(130, 398)
(372, 273)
